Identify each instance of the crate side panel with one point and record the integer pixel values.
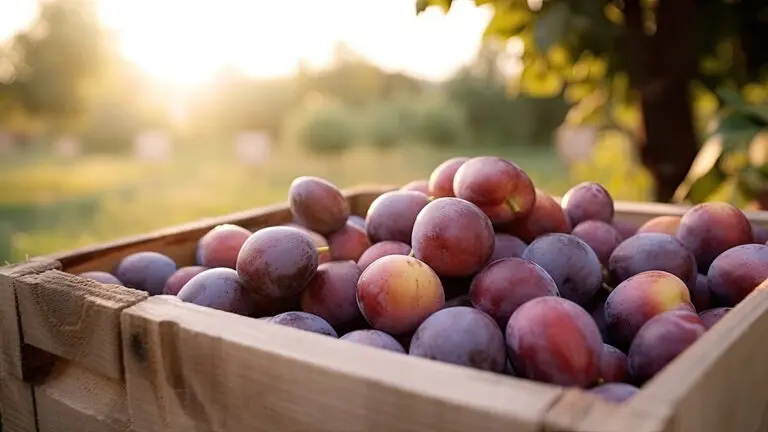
(17, 405)
(192, 368)
(579, 411)
(718, 383)
(75, 318)
(75, 399)
(10, 332)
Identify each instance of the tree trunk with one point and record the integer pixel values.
(661, 72)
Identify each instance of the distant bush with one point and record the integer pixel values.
(441, 123)
(326, 129)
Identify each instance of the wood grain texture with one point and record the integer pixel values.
(719, 383)
(75, 318)
(10, 335)
(193, 368)
(17, 402)
(579, 411)
(75, 399)
(178, 242)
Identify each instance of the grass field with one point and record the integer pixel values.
(47, 205)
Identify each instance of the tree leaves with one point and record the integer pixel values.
(422, 5)
(551, 25)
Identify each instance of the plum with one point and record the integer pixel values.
(220, 246)
(546, 217)
(304, 321)
(179, 278)
(461, 300)
(324, 251)
(374, 338)
(497, 186)
(700, 294)
(573, 265)
(277, 262)
(614, 366)
(504, 285)
(507, 246)
(711, 228)
(616, 392)
(378, 250)
(331, 293)
(453, 236)
(145, 271)
(348, 243)
(587, 201)
(710, 317)
(317, 204)
(391, 216)
(218, 288)
(356, 220)
(397, 292)
(101, 276)
(596, 309)
(652, 251)
(735, 273)
(461, 335)
(417, 186)
(625, 228)
(662, 225)
(661, 340)
(554, 340)
(441, 179)
(601, 236)
(638, 299)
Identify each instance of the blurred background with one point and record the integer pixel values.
(119, 117)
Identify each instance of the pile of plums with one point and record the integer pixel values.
(477, 267)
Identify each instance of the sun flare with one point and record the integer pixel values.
(182, 42)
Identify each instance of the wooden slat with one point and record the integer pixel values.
(579, 411)
(17, 404)
(17, 401)
(10, 336)
(74, 399)
(75, 318)
(178, 241)
(719, 383)
(194, 368)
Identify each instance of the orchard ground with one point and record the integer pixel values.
(49, 204)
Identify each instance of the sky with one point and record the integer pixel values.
(187, 41)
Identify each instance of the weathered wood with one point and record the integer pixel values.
(178, 242)
(194, 368)
(75, 318)
(718, 383)
(17, 401)
(74, 399)
(579, 411)
(17, 404)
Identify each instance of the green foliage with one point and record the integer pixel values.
(386, 126)
(576, 45)
(441, 123)
(56, 62)
(326, 130)
(735, 156)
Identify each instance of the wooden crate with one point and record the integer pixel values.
(77, 355)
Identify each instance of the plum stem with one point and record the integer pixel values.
(322, 249)
(513, 205)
